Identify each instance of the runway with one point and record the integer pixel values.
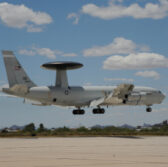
(84, 152)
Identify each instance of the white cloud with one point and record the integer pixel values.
(115, 10)
(47, 52)
(113, 1)
(119, 45)
(88, 84)
(74, 16)
(20, 16)
(69, 54)
(38, 51)
(148, 74)
(136, 61)
(26, 52)
(32, 28)
(119, 79)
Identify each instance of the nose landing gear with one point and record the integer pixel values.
(148, 109)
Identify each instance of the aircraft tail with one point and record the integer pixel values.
(15, 73)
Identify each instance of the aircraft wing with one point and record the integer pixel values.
(122, 90)
(97, 102)
(117, 96)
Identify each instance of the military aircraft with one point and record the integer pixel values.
(62, 94)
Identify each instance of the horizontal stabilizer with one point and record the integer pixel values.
(17, 89)
(3, 86)
(4, 95)
(35, 103)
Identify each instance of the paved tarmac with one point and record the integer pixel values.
(84, 152)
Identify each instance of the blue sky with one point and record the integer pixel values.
(118, 41)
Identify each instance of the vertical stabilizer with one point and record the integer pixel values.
(15, 73)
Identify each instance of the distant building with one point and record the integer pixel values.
(9, 130)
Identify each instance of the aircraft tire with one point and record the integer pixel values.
(98, 111)
(78, 112)
(148, 109)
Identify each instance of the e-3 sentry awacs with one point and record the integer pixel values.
(62, 94)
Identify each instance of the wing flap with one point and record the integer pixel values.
(96, 102)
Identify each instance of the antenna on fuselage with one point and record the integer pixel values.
(61, 71)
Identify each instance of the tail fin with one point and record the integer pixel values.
(15, 72)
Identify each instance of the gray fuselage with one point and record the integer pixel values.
(82, 96)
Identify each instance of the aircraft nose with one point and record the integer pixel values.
(163, 96)
(160, 96)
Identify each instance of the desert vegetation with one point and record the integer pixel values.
(42, 131)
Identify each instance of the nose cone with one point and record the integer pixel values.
(159, 97)
(162, 96)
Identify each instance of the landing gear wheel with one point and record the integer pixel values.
(98, 111)
(78, 112)
(148, 109)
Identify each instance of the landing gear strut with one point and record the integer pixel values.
(148, 109)
(126, 99)
(78, 112)
(98, 111)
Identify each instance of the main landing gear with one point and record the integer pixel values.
(78, 112)
(82, 112)
(126, 99)
(148, 109)
(98, 111)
